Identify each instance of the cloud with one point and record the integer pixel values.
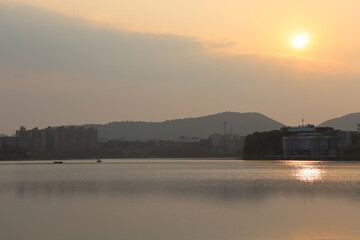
(38, 41)
(215, 45)
(58, 69)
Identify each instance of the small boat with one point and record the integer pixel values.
(58, 162)
(98, 160)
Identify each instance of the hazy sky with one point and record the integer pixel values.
(71, 62)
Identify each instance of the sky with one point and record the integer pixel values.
(66, 62)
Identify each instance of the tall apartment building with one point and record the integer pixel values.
(29, 139)
(9, 141)
(58, 139)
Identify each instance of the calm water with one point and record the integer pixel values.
(179, 199)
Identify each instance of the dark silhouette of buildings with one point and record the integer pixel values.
(9, 141)
(58, 139)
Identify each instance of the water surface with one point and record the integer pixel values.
(179, 199)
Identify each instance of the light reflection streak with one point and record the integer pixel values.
(308, 174)
(306, 171)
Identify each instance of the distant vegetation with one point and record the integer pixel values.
(130, 149)
(162, 149)
(260, 145)
(12, 153)
(237, 123)
(352, 152)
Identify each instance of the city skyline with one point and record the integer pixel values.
(65, 63)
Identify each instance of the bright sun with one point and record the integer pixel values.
(300, 40)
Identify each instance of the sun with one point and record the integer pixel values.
(300, 41)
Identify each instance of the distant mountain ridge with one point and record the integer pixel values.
(237, 123)
(347, 122)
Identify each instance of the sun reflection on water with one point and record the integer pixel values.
(306, 172)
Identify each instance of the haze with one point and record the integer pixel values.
(73, 62)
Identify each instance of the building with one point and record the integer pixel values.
(74, 139)
(189, 139)
(310, 142)
(9, 141)
(58, 139)
(230, 142)
(29, 139)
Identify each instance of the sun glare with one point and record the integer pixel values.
(308, 174)
(300, 41)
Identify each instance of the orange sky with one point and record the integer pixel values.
(254, 27)
(240, 50)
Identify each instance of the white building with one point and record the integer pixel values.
(309, 142)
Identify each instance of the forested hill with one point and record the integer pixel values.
(347, 122)
(237, 123)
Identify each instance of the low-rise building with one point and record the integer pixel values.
(310, 142)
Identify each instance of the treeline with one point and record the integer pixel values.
(262, 145)
(129, 149)
(161, 149)
(13, 153)
(353, 151)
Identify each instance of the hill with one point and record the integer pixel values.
(347, 123)
(237, 123)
